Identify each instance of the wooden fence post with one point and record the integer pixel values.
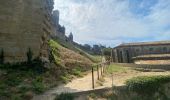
(92, 78)
(101, 70)
(97, 72)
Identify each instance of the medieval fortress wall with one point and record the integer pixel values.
(25, 24)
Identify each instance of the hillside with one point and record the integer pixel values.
(68, 58)
(75, 48)
(24, 80)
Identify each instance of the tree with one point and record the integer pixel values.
(96, 50)
(51, 57)
(2, 57)
(29, 56)
(107, 53)
(87, 47)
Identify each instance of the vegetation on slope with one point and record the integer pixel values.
(138, 88)
(68, 58)
(71, 46)
(147, 84)
(65, 96)
(23, 80)
(69, 62)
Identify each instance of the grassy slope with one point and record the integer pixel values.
(74, 48)
(67, 58)
(21, 80)
(115, 68)
(69, 63)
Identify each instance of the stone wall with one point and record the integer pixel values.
(153, 62)
(145, 66)
(125, 54)
(122, 93)
(25, 24)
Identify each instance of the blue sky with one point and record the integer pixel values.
(111, 22)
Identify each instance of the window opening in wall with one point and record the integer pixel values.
(127, 55)
(164, 49)
(137, 50)
(150, 49)
(121, 57)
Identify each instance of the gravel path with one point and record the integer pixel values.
(85, 83)
(76, 85)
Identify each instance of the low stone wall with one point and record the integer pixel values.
(146, 66)
(152, 62)
(122, 93)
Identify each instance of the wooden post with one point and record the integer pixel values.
(112, 80)
(101, 70)
(104, 68)
(97, 72)
(92, 78)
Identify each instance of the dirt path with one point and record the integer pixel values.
(76, 85)
(85, 83)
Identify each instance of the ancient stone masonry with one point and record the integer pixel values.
(70, 37)
(25, 24)
(135, 52)
(59, 30)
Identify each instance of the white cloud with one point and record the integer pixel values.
(106, 21)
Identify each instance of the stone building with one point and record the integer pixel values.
(70, 37)
(142, 53)
(25, 24)
(59, 30)
(56, 17)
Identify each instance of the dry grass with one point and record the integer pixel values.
(67, 60)
(70, 58)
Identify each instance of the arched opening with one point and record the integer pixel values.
(121, 57)
(128, 57)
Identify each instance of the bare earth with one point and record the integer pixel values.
(85, 83)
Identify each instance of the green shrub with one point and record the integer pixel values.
(29, 55)
(51, 56)
(65, 96)
(2, 57)
(146, 84)
(12, 80)
(65, 79)
(77, 72)
(16, 97)
(24, 88)
(93, 95)
(3, 89)
(54, 53)
(38, 85)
